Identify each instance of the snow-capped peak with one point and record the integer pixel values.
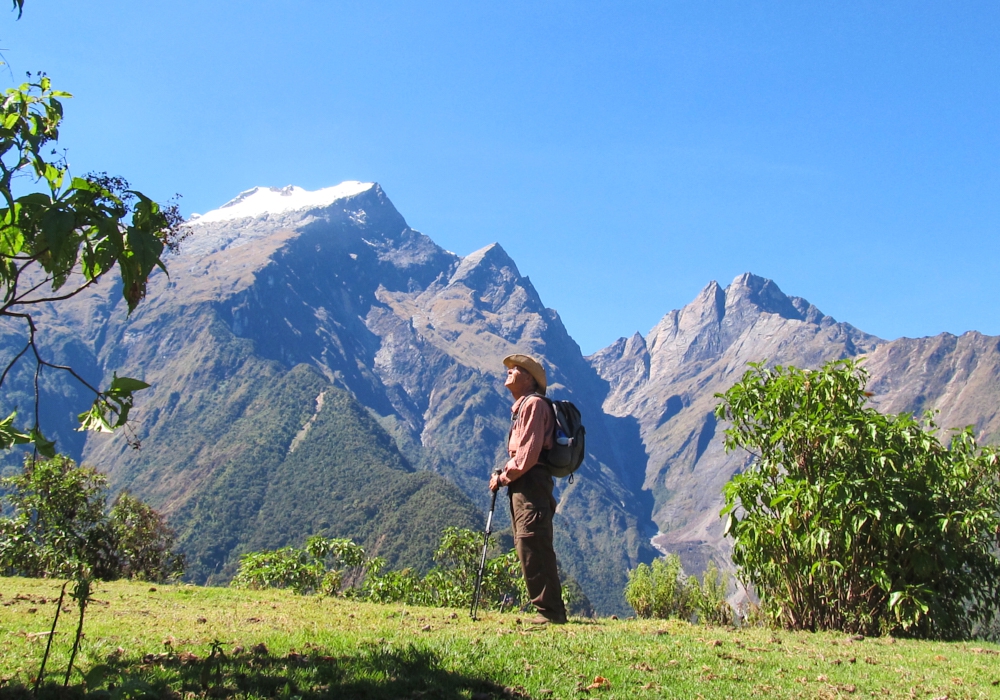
(274, 200)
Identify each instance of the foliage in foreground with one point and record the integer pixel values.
(58, 525)
(661, 590)
(340, 567)
(61, 236)
(852, 520)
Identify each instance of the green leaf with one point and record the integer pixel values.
(94, 419)
(53, 175)
(46, 448)
(56, 227)
(121, 386)
(9, 436)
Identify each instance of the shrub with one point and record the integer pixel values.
(59, 526)
(143, 541)
(711, 604)
(397, 587)
(852, 520)
(325, 565)
(337, 566)
(453, 580)
(660, 590)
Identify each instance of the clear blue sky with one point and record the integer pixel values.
(623, 153)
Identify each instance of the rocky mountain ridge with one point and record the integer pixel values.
(269, 308)
(668, 381)
(279, 307)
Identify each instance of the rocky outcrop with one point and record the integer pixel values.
(956, 378)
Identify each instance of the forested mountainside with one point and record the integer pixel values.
(317, 366)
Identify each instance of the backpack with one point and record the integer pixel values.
(569, 442)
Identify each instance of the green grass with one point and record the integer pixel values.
(156, 641)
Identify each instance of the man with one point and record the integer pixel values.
(530, 486)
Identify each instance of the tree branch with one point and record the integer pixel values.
(45, 363)
(13, 362)
(42, 300)
(38, 372)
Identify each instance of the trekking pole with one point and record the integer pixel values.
(482, 561)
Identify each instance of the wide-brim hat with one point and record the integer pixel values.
(531, 365)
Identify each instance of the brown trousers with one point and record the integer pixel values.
(531, 509)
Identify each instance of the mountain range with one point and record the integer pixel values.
(318, 366)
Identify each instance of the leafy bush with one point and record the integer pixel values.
(453, 580)
(56, 519)
(711, 604)
(59, 526)
(287, 567)
(397, 587)
(337, 566)
(143, 541)
(662, 590)
(324, 565)
(852, 520)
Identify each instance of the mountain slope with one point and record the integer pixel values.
(319, 366)
(283, 296)
(956, 376)
(668, 381)
(238, 448)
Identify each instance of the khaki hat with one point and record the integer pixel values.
(533, 367)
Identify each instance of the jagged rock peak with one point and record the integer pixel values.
(708, 306)
(493, 278)
(750, 289)
(275, 200)
(748, 293)
(492, 256)
(636, 345)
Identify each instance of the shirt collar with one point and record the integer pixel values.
(517, 404)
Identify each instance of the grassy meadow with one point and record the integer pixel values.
(186, 642)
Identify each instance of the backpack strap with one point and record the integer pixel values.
(513, 418)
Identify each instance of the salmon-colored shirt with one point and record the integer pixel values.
(530, 434)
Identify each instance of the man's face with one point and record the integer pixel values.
(518, 381)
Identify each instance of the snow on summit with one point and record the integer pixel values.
(274, 200)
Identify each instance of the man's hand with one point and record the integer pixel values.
(497, 480)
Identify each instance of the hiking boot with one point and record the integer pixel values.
(542, 620)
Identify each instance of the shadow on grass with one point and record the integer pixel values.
(373, 673)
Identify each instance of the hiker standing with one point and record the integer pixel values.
(530, 489)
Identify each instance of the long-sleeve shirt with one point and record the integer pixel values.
(531, 432)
